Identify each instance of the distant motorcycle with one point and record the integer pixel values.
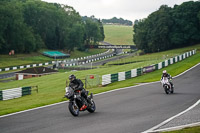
(75, 101)
(167, 86)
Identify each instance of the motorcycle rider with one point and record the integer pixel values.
(165, 74)
(77, 85)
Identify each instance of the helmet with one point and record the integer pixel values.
(164, 73)
(72, 77)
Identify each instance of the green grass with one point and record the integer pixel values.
(51, 87)
(25, 59)
(195, 129)
(118, 34)
(77, 53)
(115, 34)
(154, 58)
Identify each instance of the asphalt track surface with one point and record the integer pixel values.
(128, 110)
(7, 75)
(103, 62)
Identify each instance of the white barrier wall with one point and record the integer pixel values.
(180, 57)
(160, 65)
(12, 93)
(106, 79)
(133, 73)
(171, 61)
(166, 63)
(176, 59)
(121, 76)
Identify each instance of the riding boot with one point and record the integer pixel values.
(172, 84)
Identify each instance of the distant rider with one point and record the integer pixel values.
(165, 74)
(77, 85)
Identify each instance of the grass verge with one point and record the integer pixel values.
(51, 87)
(195, 129)
(118, 34)
(26, 59)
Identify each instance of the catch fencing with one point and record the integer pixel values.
(92, 80)
(120, 76)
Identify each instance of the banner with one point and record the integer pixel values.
(111, 46)
(148, 69)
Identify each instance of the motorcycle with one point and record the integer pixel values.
(75, 101)
(167, 86)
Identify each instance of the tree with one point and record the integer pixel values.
(159, 26)
(102, 36)
(28, 25)
(93, 33)
(14, 33)
(76, 37)
(169, 28)
(186, 29)
(115, 20)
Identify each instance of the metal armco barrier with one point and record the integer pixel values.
(110, 78)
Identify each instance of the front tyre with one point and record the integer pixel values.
(92, 107)
(74, 109)
(172, 90)
(166, 89)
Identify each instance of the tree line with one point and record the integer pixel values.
(115, 20)
(169, 28)
(29, 25)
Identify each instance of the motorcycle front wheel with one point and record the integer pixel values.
(167, 91)
(74, 109)
(172, 90)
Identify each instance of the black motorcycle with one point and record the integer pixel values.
(75, 101)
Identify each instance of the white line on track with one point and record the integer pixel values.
(94, 95)
(153, 129)
(178, 127)
(32, 109)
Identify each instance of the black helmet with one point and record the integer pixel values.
(72, 77)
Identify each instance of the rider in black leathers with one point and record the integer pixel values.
(165, 74)
(77, 85)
